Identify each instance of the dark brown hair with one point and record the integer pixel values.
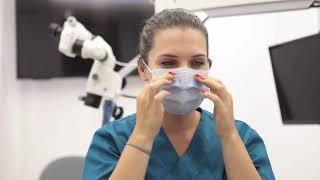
(165, 19)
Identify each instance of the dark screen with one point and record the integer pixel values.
(118, 22)
(296, 68)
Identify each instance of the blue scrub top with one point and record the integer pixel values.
(202, 160)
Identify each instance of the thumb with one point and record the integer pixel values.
(161, 96)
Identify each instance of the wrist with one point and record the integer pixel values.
(144, 133)
(141, 139)
(229, 136)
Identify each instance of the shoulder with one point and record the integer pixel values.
(117, 132)
(252, 141)
(245, 131)
(106, 147)
(123, 125)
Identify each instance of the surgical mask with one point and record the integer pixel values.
(185, 90)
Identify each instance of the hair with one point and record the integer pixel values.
(168, 18)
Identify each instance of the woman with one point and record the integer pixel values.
(170, 137)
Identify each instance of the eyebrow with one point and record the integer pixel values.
(174, 56)
(169, 55)
(200, 55)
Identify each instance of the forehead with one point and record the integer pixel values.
(179, 41)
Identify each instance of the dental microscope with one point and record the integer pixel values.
(104, 83)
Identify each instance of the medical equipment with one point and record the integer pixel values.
(103, 82)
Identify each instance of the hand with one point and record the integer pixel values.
(150, 110)
(223, 105)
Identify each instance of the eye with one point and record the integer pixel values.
(167, 62)
(198, 62)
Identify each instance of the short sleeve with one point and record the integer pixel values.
(102, 156)
(258, 153)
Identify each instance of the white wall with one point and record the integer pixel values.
(1, 42)
(43, 120)
(8, 133)
(40, 120)
(239, 49)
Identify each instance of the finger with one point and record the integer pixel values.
(163, 80)
(153, 88)
(157, 85)
(210, 82)
(161, 96)
(217, 80)
(213, 97)
(169, 76)
(214, 86)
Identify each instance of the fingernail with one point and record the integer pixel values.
(200, 76)
(172, 73)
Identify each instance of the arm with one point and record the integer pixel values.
(148, 124)
(105, 160)
(133, 159)
(237, 160)
(239, 165)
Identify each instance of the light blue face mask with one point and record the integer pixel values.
(185, 90)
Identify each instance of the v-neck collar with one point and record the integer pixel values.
(202, 157)
(191, 144)
(169, 158)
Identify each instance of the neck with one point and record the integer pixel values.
(180, 123)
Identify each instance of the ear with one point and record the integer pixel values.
(210, 62)
(143, 71)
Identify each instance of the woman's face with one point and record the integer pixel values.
(177, 47)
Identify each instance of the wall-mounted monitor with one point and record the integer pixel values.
(296, 68)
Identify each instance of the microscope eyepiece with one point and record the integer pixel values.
(55, 30)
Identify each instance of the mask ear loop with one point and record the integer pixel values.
(146, 67)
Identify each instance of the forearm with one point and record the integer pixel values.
(238, 163)
(133, 163)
